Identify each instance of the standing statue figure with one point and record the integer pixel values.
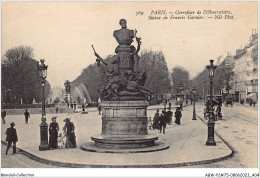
(127, 52)
(67, 86)
(124, 80)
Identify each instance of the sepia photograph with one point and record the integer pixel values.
(129, 84)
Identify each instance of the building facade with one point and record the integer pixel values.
(245, 80)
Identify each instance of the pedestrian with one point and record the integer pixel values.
(254, 103)
(170, 105)
(57, 109)
(60, 141)
(178, 116)
(156, 120)
(75, 106)
(181, 106)
(169, 116)
(11, 138)
(53, 131)
(191, 102)
(99, 109)
(27, 115)
(186, 102)
(71, 105)
(250, 102)
(162, 121)
(69, 132)
(83, 107)
(3, 114)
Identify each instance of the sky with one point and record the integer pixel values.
(62, 32)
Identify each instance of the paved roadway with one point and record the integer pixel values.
(19, 160)
(239, 128)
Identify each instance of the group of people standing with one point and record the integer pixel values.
(56, 140)
(161, 120)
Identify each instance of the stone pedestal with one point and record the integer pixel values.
(44, 137)
(124, 129)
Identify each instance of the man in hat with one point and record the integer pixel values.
(162, 121)
(11, 138)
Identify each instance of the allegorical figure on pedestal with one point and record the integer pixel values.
(123, 77)
(67, 86)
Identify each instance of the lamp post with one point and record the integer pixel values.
(181, 96)
(194, 112)
(211, 123)
(43, 126)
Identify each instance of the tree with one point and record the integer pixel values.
(180, 76)
(155, 66)
(153, 63)
(20, 76)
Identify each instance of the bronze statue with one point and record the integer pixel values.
(123, 77)
(67, 86)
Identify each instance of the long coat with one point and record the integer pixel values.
(53, 130)
(11, 135)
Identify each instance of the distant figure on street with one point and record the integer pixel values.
(57, 109)
(69, 132)
(191, 102)
(53, 131)
(170, 105)
(250, 102)
(83, 107)
(178, 116)
(75, 106)
(11, 138)
(3, 114)
(162, 121)
(187, 102)
(254, 103)
(156, 120)
(99, 109)
(169, 114)
(26, 115)
(71, 105)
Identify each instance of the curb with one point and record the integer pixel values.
(75, 165)
(232, 149)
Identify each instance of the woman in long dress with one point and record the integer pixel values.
(69, 132)
(53, 131)
(178, 116)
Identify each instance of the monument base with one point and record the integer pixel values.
(120, 144)
(124, 129)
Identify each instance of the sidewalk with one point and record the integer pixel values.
(187, 144)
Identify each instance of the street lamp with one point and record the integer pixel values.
(211, 123)
(43, 126)
(194, 112)
(181, 96)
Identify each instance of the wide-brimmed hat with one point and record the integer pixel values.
(67, 119)
(55, 117)
(12, 124)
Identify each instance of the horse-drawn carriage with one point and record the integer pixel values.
(229, 101)
(217, 102)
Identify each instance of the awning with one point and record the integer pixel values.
(252, 96)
